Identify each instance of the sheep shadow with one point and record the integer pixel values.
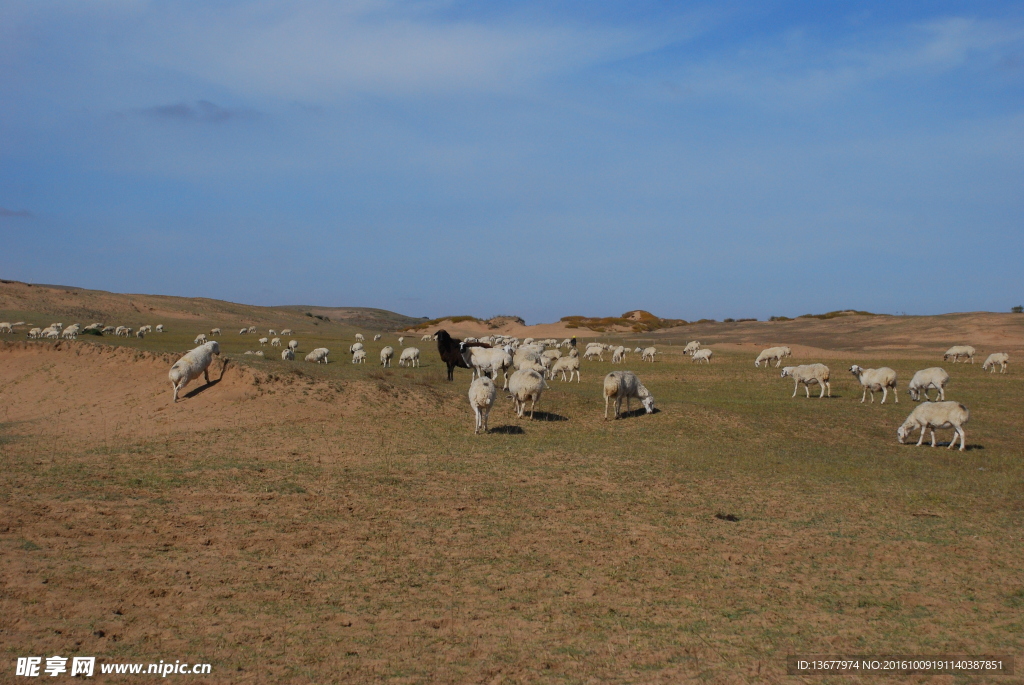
(201, 389)
(507, 430)
(639, 411)
(547, 416)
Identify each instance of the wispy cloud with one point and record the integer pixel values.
(19, 213)
(202, 111)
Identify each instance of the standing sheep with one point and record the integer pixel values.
(263, 341)
(359, 337)
(200, 339)
(293, 344)
(691, 347)
(359, 357)
(570, 364)
(271, 332)
(874, 380)
(702, 355)
(453, 352)
(401, 340)
(354, 347)
(625, 385)
(594, 352)
(243, 331)
(1000, 359)
(776, 354)
(251, 329)
(190, 366)
(376, 337)
(160, 328)
(481, 398)
(619, 355)
(214, 332)
(287, 331)
(809, 374)
(319, 355)
(276, 342)
(524, 385)
(957, 351)
(287, 354)
(923, 380)
(386, 354)
(648, 354)
(410, 356)
(932, 415)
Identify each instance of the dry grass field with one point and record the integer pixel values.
(295, 523)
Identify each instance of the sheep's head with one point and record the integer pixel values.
(648, 403)
(787, 371)
(903, 431)
(856, 370)
(913, 393)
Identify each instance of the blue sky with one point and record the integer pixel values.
(541, 159)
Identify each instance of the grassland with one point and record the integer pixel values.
(342, 523)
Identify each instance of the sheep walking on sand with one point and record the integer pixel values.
(926, 379)
(874, 380)
(1000, 359)
(385, 355)
(809, 374)
(932, 415)
(524, 385)
(624, 385)
(190, 366)
(319, 355)
(481, 398)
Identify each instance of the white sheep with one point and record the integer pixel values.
(35, 333)
(619, 355)
(376, 337)
(481, 398)
(923, 380)
(570, 364)
(271, 332)
(359, 337)
(263, 341)
(647, 354)
(691, 347)
(410, 356)
(386, 354)
(957, 351)
(359, 357)
(6, 327)
(214, 331)
(428, 336)
(200, 339)
(776, 354)
(276, 342)
(287, 331)
(809, 374)
(190, 366)
(111, 329)
(252, 329)
(354, 347)
(490, 360)
(874, 380)
(287, 354)
(140, 334)
(702, 355)
(293, 344)
(624, 385)
(243, 331)
(159, 328)
(401, 340)
(552, 354)
(526, 384)
(932, 415)
(319, 355)
(638, 350)
(257, 353)
(594, 352)
(1000, 359)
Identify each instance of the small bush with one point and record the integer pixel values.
(1019, 309)
(728, 320)
(780, 318)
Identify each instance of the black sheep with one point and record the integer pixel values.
(453, 352)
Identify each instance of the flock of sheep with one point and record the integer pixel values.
(528, 364)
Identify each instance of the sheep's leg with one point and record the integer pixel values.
(485, 419)
(933, 437)
(863, 396)
(606, 398)
(175, 388)
(885, 394)
(807, 389)
(942, 393)
(533, 406)
(206, 374)
(962, 437)
(921, 439)
(476, 415)
(895, 395)
(796, 384)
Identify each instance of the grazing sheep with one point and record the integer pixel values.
(401, 340)
(809, 374)
(932, 415)
(481, 398)
(702, 355)
(776, 354)
(190, 366)
(293, 344)
(552, 354)
(359, 337)
(160, 328)
(386, 354)
(957, 351)
(359, 357)
(625, 385)
(276, 342)
(410, 356)
(263, 341)
(287, 331)
(926, 379)
(354, 347)
(271, 332)
(874, 380)
(35, 333)
(243, 331)
(691, 347)
(214, 331)
(6, 327)
(526, 384)
(252, 329)
(140, 334)
(570, 364)
(619, 355)
(1000, 359)
(257, 353)
(287, 354)
(594, 352)
(427, 337)
(111, 329)
(71, 333)
(319, 355)
(647, 354)
(53, 333)
(200, 339)
(376, 337)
